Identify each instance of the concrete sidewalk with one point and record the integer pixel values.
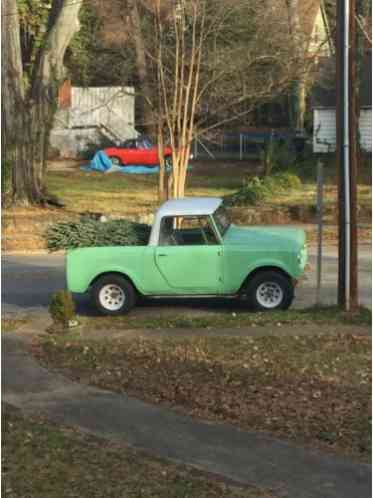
(254, 459)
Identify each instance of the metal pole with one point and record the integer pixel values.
(320, 189)
(346, 147)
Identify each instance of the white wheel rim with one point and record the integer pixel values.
(269, 295)
(115, 160)
(112, 297)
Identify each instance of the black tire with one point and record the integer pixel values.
(115, 160)
(113, 295)
(268, 290)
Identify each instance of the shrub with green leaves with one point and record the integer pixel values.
(62, 308)
(257, 189)
(93, 233)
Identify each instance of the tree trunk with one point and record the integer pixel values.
(298, 97)
(15, 129)
(28, 115)
(146, 113)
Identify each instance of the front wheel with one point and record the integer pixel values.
(113, 295)
(269, 290)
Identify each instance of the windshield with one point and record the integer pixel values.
(145, 143)
(222, 220)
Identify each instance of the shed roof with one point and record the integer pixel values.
(189, 206)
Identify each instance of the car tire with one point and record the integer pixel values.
(268, 291)
(113, 295)
(115, 161)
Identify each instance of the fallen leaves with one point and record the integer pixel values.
(314, 389)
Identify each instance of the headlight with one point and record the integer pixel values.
(302, 257)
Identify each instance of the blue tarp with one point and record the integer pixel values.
(102, 163)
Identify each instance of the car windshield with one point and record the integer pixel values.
(145, 143)
(222, 220)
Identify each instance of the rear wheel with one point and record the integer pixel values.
(115, 160)
(269, 290)
(113, 295)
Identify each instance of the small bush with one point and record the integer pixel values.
(257, 189)
(89, 232)
(62, 308)
(287, 181)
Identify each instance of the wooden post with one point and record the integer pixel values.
(354, 147)
(340, 130)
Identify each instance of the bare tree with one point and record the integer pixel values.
(29, 101)
(216, 61)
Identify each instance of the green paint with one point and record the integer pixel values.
(193, 270)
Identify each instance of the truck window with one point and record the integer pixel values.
(222, 220)
(187, 231)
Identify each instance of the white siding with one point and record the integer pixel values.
(113, 107)
(94, 112)
(324, 136)
(324, 131)
(365, 129)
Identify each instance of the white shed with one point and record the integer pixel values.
(86, 116)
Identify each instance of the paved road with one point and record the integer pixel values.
(28, 281)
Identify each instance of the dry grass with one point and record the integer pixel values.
(42, 460)
(312, 389)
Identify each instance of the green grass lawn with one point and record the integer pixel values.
(135, 196)
(120, 194)
(41, 460)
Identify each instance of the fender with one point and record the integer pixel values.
(264, 264)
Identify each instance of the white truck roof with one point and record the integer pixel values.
(189, 206)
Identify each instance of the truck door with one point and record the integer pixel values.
(189, 256)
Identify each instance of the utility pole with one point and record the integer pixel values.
(341, 128)
(347, 148)
(354, 151)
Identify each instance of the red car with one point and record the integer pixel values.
(137, 151)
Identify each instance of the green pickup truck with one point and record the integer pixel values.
(193, 251)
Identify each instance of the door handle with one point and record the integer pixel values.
(162, 255)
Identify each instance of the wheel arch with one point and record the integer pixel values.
(118, 274)
(260, 269)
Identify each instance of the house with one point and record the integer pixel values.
(323, 104)
(88, 117)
